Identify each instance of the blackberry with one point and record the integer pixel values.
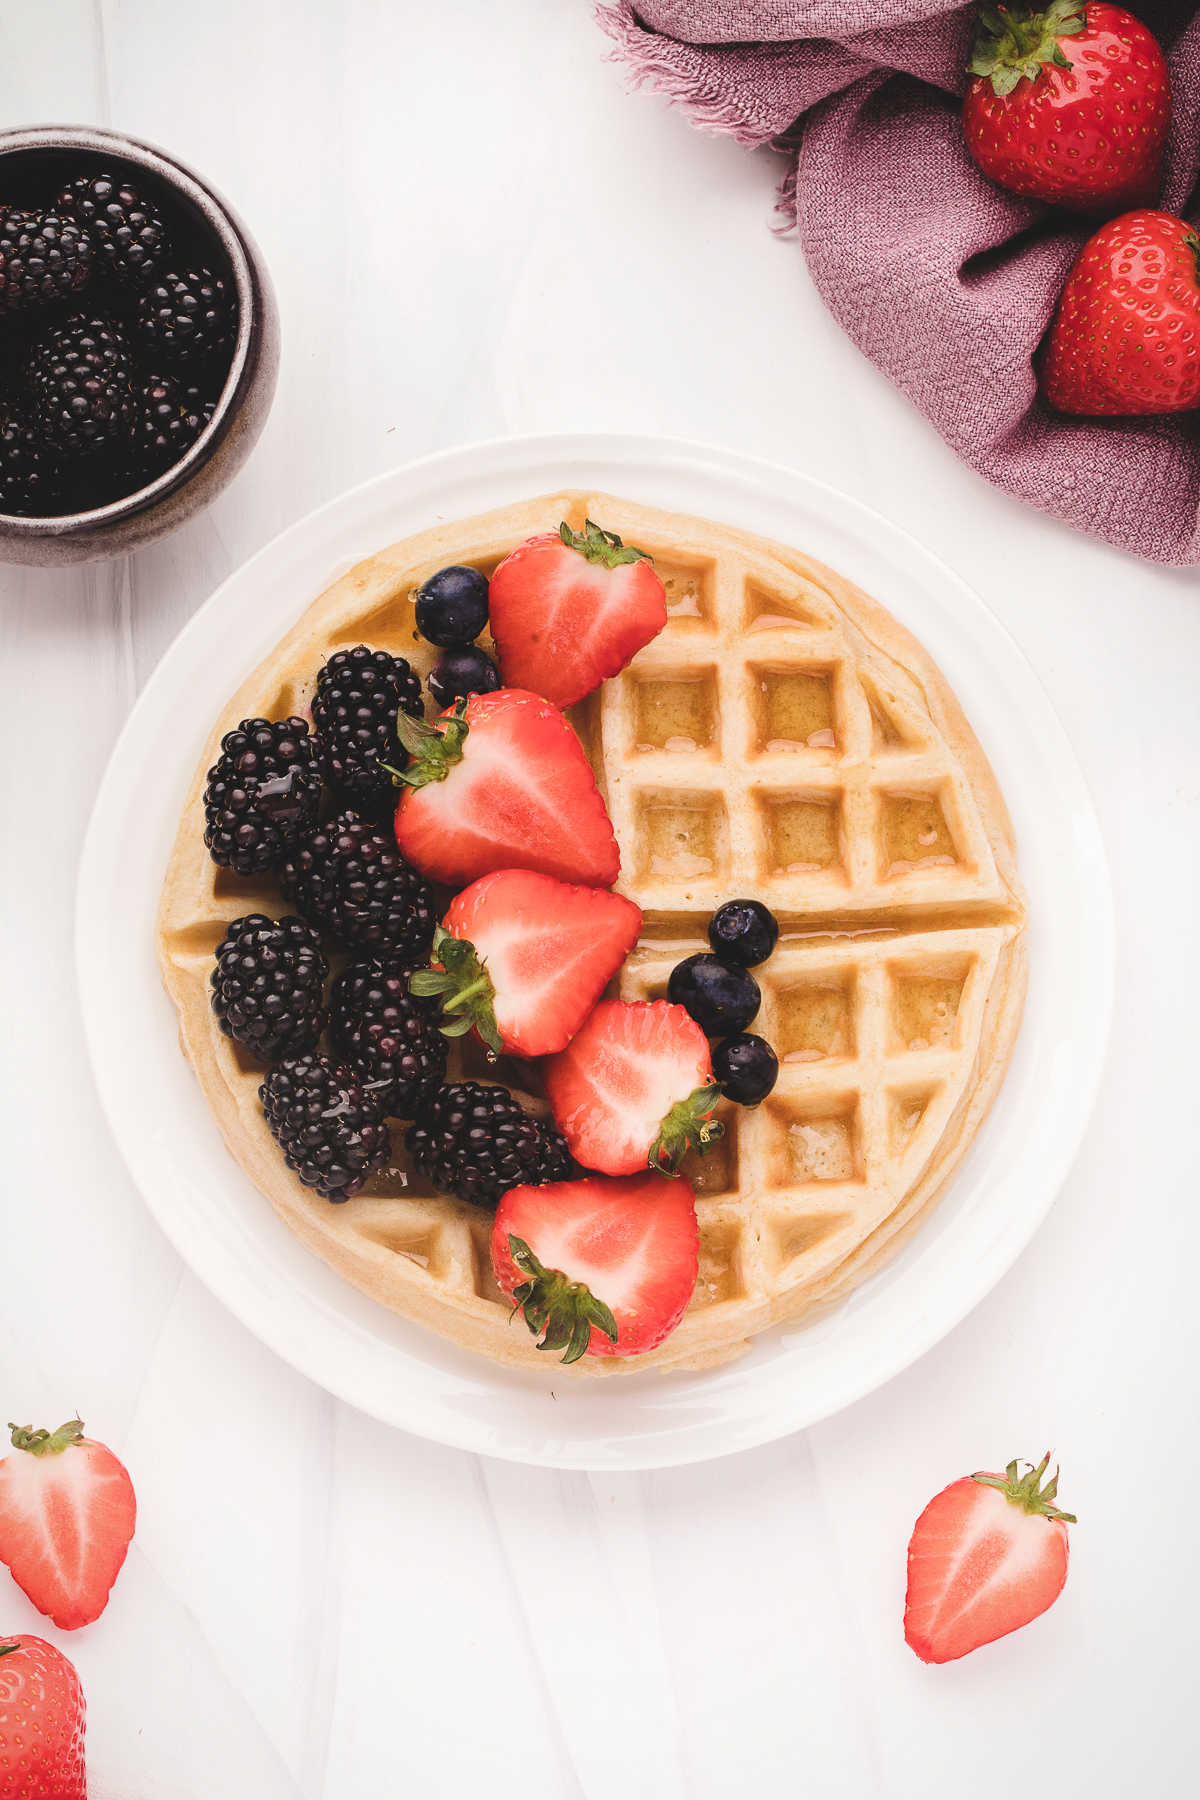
(330, 1130)
(29, 477)
(477, 1142)
(81, 377)
(359, 693)
(262, 795)
(43, 258)
(350, 880)
(187, 316)
(387, 1036)
(268, 985)
(170, 417)
(126, 231)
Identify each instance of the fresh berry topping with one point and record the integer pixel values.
(262, 795)
(359, 693)
(1130, 303)
(328, 1125)
(743, 932)
(42, 1723)
(128, 233)
(634, 1088)
(746, 1067)
(524, 958)
(43, 258)
(988, 1554)
(458, 673)
(719, 997)
(268, 986)
(29, 473)
(67, 1514)
(186, 316)
(170, 417)
(1069, 103)
(80, 374)
(349, 879)
(503, 782)
(569, 608)
(387, 1036)
(477, 1142)
(452, 606)
(598, 1267)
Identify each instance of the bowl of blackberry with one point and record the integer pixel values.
(139, 344)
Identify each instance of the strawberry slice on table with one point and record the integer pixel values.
(569, 608)
(634, 1088)
(1128, 321)
(524, 958)
(598, 1267)
(988, 1554)
(1070, 103)
(67, 1513)
(42, 1723)
(500, 781)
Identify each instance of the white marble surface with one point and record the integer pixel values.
(475, 230)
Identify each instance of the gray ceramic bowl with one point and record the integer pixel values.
(54, 154)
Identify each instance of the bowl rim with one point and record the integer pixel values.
(226, 228)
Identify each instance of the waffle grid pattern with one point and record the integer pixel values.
(764, 743)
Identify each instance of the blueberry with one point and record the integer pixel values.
(746, 1067)
(743, 932)
(452, 606)
(459, 672)
(719, 997)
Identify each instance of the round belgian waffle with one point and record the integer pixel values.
(782, 738)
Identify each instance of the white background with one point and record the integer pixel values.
(474, 229)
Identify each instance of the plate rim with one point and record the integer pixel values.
(669, 454)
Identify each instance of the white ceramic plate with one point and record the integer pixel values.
(227, 1232)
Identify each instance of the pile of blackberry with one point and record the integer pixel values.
(309, 812)
(115, 341)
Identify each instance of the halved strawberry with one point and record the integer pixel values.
(569, 608)
(524, 958)
(634, 1088)
(67, 1513)
(598, 1266)
(988, 1554)
(500, 781)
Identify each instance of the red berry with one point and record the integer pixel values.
(1069, 104)
(569, 608)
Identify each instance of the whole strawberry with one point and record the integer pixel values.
(41, 1723)
(1126, 337)
(1069, 103)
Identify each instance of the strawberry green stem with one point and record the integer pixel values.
(7, 1649)
(558, 1311)
(432, 752)
(1192, 242)
(1015, 43)
(600, 546)
(464, 987)
(1026, 1491)
(46, 1443)
(689, 1125)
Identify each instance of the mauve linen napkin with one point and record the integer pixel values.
(944, 280)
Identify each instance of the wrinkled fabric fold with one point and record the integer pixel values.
(944, 280)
